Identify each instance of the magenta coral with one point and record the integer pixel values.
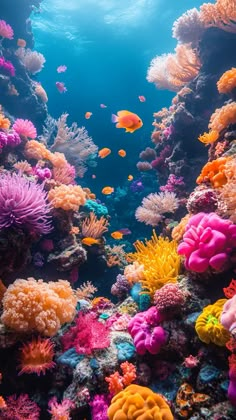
(9, 138)
(88, 335)
(6, 67)
(19, 408)
(23, 204)
(25, 128)
(99, 405)
(174, 183)
(146, 333)
(6, 30)
(208, 242)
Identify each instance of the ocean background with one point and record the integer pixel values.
(107, 46)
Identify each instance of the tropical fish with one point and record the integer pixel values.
(61, 87)
(90, 241)
(107, 190)
(88, 115)
(104, 152)
(61, 69)
(125, 231)
(142, 98)
(21, 43)
(122, 153)
(128, 120)
(103, 106)
(130, 178)
(117, 235)
(93, 176)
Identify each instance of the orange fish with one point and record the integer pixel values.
(117, 235)
(90, 241)
(130, 178)
(122, 153)
(128, 120)
(104, 152)
(142, 98)
(88, 115)
(107, 190)
(21, 43)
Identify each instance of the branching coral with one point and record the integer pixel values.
(93, 227)
(222, 15)
(31, 305)
(117, 382)
(208, 326)
(23, 204)
(20, 408)
(154, 206)
(67, 197)
(160, 261)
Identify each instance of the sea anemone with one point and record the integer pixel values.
(37, 356)
(23, 204)
(25, 128)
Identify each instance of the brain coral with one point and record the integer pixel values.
(140, 403)
(31, 305)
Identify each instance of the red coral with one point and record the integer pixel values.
(89, 334)
(230, 291)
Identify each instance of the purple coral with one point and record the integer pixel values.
(99, 405)
(174, 183)
(23, 204)
(121, 287)
(6, 67)
(10, 138)
(208, 242)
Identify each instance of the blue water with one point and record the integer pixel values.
(107, 46)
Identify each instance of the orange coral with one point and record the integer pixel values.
(37, 356)
(228, 191)
(67, 197)
(23, 166)
(93, 227)
(223, 117)
(31, 305)
(214, 172)
(4, 122)
(117, 382)
(36, 150)
(140, 403)
(178, 231)
(227, 82)
(210, 137)
(2, 290)
(221, 15)
(41, 92)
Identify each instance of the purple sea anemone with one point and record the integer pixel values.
(23, 204)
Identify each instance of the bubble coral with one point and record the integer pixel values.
(67, 197)
(23, 204)
(207, 242)
(31, 305)
(227, 82)
(140, 403)
(25, 128)
(214, 172)
(209, 327)
(37, 356)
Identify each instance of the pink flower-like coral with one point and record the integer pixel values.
(6, 67)
(228, 316)
(6, 30)
(25, 128)
(208, 242)
(146, 333)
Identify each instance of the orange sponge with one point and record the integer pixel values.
(139, 403)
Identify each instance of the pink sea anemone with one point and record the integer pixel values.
(6, 30)
(25, 128)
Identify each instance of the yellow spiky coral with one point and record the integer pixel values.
(160, 262)
(208, 326)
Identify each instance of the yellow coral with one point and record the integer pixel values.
(179, 230)
(160, 260)
(140, 403)
(227, 82)
(208, 326)
(31, 305)
(210, 137)
(67, 197)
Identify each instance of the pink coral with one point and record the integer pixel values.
(20, 408)
(6, 67)
(169, 298)
(60, 411)
(25, 128)
(207, 242)
(6, 30)
(228, 316)
(146, 333)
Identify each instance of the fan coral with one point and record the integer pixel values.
(208, 242)
(31, 305)
(20, 408)
(188, 27)
(160, 261)
(222, 15)
(93, 227)
(208, 325)
(32, 60)
(146, 332)
(88, 335)
(23, 204)
(67, 197)
(142, 402)
(214, 172)
(6, 67)
(173, 71)
(37, 356)
(60, 411)
(169, 298)
(10, 138)
(154, 206)
(6, 30)
(25, 128)
(227, 82)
